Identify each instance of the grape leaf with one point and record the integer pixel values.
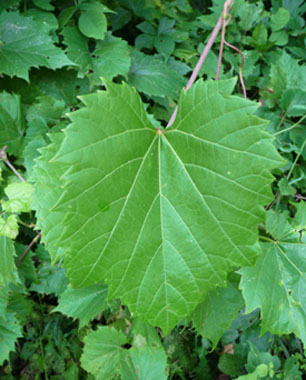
(144, 363)
(105, 357)
(26, 43)
(143, 211)
(10, 330)
(8, 271)
(84, 304)
(77, 48)
(11, 121)
(9, 226)
(92, 22)
(44, 4)
(102, 352)
(151, 75)
(215, 314)
(51, 278)
(19, 197)
(277, 284)
(111, 57)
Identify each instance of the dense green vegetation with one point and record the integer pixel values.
(132, 247)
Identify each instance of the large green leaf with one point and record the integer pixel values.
(161, 216)
(26, 43)
(277, 284)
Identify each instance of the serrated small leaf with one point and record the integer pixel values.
(10, 330)
(77, 48)
(92, 21)
(277, 285)
(285, 188)
(140, 363)
(102, 352)
(151, 75)
(26, 43)
(84, 304)
(19, 197)
(215, 314)
(111, 57)
(9, 226)
(51, 279)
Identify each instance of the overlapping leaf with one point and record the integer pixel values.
(26, 43)
(216, 313)
(277, 284)
(161, 216)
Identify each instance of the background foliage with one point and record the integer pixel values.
(53, 52)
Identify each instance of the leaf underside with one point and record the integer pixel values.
(161, 216)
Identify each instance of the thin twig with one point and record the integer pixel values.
(292, 126)
(3, 157)
(202, 58)
(224, 23)
(37, 237)
(296, 159)
(241, 67)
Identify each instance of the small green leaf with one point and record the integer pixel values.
(102, 352)
(51, 278)
(294, 101)
(26, 44)
(285, 188)
(279, 19)
(19, 197)
(277, 285)
(151, 75)
(44, 4)
(215, 315)
(77, 48)
(111, 57)
(9, 226)
(92, 21)
(140, 363)
(84, 304)
(10, 330)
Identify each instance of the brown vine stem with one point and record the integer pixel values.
(224, 23)
(241, 67)
(37, 237)
(3, 157)
(202, 58)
